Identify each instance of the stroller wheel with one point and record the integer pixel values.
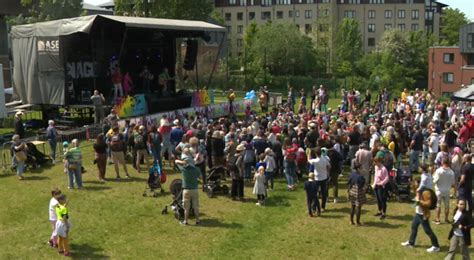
(209, 192)
(225, 189)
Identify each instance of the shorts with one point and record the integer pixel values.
(61, 229)
(190, 197)
(443, 198)
(118, 157)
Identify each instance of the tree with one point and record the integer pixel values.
(348, 47)
(46, 10)
(452, 20)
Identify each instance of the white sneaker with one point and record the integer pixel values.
(407, 244)
(258, 204)
(432, 249)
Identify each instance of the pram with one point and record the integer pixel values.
(156, 178)
(34, 158)
(399, 185)
(176, 189)
(213, 185)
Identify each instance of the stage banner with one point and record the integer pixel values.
(201, 98)
(129, 106)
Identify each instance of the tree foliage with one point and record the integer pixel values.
(348, 47)
(171, 9)
(46, 10)
(282, 49)
(452, 20)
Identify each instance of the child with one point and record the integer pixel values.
(310, 187)
(62, 225)
(53, 203)
(187, 157)
(261, 161)
(460, 231)
(426, 181)
(269, 170)
(259, 187)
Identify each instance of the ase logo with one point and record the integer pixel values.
(49, 46)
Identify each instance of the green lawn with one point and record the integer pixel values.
(114, 220)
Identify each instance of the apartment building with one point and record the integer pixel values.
(451, 67)
(319, 16)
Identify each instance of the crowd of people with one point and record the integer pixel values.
(314, 141)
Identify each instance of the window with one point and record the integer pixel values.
(266, 2)
(371, 42)
(243, 2)
(283, 2)
(470, 40)
(350, 14)
(310, 1)
(415, 14)
(401, 14)
(415, 27)
(252, 2)
(472, 81)
(297, 13)
(371, 14)
(323, 12)
(240, 16)
(308, 14)
(429, 15)
(251, 15)
(228, 16)
(401, 27)
(307, 28)
(240, 29)
(229, 29)
(388, 14)
(350, 1)
(239, 42)
(290, 13)
(376, 1)
(232, 2)
(448, 77)
(266, 15)
(448, 58)
(387, 26)
(280, 15)
(325, 1)
(371, 27)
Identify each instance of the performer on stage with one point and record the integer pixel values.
(163, 80)
(117, 80)
(147, 77)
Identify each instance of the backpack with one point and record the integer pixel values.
(232, 165)
(156, 140)
(139, 142)
(291, 154)
(301, 158)
(116, 143)
(434, 198)
(249, 155)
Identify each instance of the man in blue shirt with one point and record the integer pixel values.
(177, 133)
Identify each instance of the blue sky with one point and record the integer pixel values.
(466, 6)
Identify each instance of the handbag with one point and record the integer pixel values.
(20, 156)
(72, 166)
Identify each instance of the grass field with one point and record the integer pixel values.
(113, 220)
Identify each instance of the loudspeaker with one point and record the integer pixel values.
(191, 54)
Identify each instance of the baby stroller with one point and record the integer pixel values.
(176, 189)
(156, 178)
(399, 184)
(213, 185)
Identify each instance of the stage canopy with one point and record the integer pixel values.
(39, 76)
(464, 94)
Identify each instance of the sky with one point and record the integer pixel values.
(466, 6)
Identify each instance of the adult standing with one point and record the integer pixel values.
(52, 135)
(379, 184)
(117, 81)
(100, 149)
(98, 101)
(140, 146)
(19, 155)
(218, 146)
(117, 146)
(19, 128)
(322, 167)
(190, 191)
(416, 146)
(231, 98)
(73, 159)
(364, 157)
(336, 160)
(443, 180)
(465, 183)
(289, 163)
(356, 193)
(236, 170)
(165, 131)
(154, 142)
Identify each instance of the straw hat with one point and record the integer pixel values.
(240, 148)
(268, 151)
(19, 113)
(311, 176)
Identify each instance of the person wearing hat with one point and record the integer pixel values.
(19, 128)
(166, 145)
(270, 169)
(235, 167)
(310, 187)
(19, 151)
(140, 145)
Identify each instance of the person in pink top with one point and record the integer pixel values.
(464, 136)
(127, 83)
(379, 185)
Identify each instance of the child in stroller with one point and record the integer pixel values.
(156, 178)
(213, 185)
(399, 185)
